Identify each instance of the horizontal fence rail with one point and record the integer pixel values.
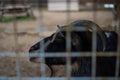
(57, 78)
(73, 54)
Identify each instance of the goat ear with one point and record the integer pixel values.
(76, 42)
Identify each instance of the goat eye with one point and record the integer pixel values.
(60, 36)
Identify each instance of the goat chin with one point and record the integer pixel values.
(36, 60)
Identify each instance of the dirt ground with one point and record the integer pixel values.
(30, 32)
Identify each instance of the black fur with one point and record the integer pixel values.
(105, 66)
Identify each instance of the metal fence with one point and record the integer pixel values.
(68, 54)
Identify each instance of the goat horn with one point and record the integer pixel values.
(90, 25)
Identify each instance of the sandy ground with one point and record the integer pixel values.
(30, 32)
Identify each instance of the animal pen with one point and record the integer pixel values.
(68, 55)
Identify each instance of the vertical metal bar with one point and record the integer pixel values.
(117, 17)
(16, 45)
(42, 53)
(68, 49)
(94, 53)
(68, 43)
(118, 54)
(94, 42)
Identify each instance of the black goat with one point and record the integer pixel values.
(80, 41)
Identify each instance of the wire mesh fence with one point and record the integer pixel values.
(68, 55)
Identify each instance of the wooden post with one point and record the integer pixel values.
(1, 10)
(95, 10)
(117, 15)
